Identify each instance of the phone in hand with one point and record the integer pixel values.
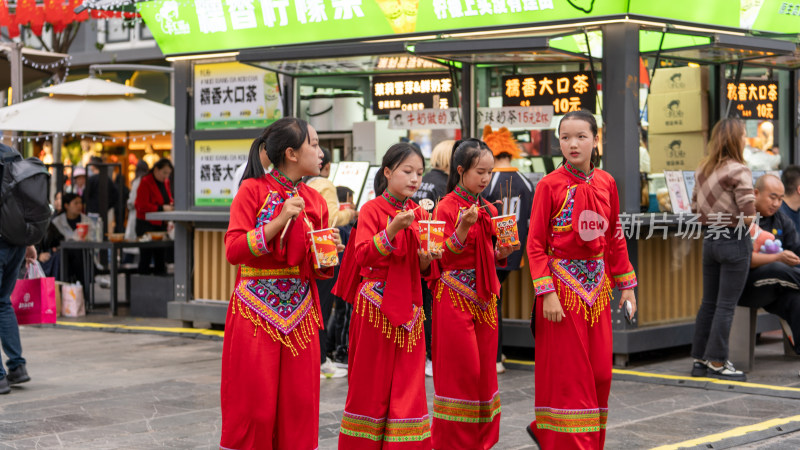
(627, 310)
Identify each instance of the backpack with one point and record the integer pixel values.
(24, 208)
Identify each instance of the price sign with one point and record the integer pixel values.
(411, 92)
(567, 91)
(754, 99)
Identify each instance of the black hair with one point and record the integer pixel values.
(342, 192)
(587, 117)
(67, 198)
(396, 154)
(163, 162)
(276, 138)
(791, 179)
(465, 154)
(326, 157)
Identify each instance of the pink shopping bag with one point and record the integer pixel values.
(34, 300)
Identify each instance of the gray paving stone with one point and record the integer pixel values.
(100, 390)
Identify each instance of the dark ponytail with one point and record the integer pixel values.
(254, 169)
(276, 138)
(465, 154)
(396, 154)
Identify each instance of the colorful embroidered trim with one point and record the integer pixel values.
(465, 297)
(583, 286)
(304, 321)
(382, 243)
(369, 302)
(465, 194)
(585, 277)
(394, 201)
(543, 285)
(578, 174)
(283, 179)
(626, 281)
(470, 411)
(268, 208)
(256, 242)
(387, 430)
(571, 420)
(253, 272)
(283, 303)
(563, 220)
(453, 244)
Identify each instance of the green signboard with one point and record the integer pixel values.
(219, 25)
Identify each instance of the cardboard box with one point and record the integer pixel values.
(676, 151)
(679, 79)
(677, 112)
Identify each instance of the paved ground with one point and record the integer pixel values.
(99, 389)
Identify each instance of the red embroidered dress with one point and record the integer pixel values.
(581, 264)
(270, 383)
(386, 404)
(466, 405)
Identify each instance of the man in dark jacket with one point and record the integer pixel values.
(11, 257)
(774, 279)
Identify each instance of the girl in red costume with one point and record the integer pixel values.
(574, 269)
(466, 406)
(386, 406)
(270, 356)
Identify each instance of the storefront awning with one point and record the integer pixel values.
(518, 50)
(340, 59)
(790, 61)
(726, 48)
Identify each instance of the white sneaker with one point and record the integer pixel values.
(501, 368)
(428, 368)
(725, 372)
(329, 370)
(502, 357)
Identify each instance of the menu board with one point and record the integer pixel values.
(565, 91)
(677, 192)
(235, 95)
(368, 193)
(754, 99)
(351, 174)
(689, 181)
(411, 92)
(214, 165)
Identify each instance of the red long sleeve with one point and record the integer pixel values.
(619, 267)
(541, 212)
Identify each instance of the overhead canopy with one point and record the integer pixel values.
(87, 113)
(726, 48)
(516, 50)
(790, 61)
(339, 59)
(90, 87)
(29, 73)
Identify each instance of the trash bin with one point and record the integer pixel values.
(150, 294)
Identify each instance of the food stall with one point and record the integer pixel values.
(337, 48)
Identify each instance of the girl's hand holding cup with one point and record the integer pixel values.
(337, 239)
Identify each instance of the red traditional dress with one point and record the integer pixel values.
(386, 405)
(466, 405)
(575, 250)
(270, 356)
